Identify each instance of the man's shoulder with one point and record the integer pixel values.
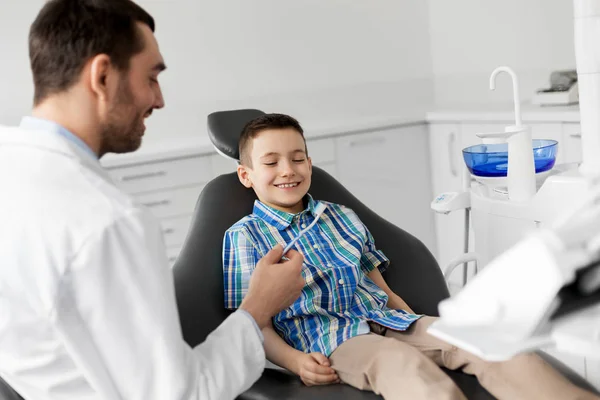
(62, 191)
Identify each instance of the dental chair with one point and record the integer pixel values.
(7, 393)
(198, 271)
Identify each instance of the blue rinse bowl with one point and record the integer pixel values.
(491, 160)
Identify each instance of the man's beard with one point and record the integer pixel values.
(122, 133)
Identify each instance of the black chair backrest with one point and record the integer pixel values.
(225, 127)
(7, 393)
(198, 271)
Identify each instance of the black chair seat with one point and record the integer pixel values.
(277, 384)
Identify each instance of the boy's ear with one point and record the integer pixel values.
(244, 176)
(309, 164)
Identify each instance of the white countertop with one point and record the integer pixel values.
(502, 113)
(183, 146)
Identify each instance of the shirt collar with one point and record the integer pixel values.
(281, 219)
(50, 126)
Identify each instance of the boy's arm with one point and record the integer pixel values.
(394, 301)
(279, 352)
(312, 368)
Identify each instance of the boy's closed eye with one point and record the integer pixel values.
(272, 163)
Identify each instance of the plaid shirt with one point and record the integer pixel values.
(339, 298)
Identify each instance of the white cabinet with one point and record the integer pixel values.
(323, 154)
(445, 149)
(169, 189)
(389, 171)
(162, 174)
(571, 144)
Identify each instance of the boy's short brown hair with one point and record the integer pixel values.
(263, 123)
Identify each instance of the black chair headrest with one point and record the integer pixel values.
(225, 127)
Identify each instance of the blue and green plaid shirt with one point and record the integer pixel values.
(339, 298)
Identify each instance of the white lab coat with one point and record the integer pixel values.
(87, 304)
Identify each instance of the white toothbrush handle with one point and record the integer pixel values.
(290, 244)
(302, 232)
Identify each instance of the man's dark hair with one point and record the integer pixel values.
(67, 33)
(263, 123)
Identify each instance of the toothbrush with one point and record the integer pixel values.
(318, 212)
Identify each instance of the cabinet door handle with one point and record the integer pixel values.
(158, 203)
(451, 140)
(367, 142)
(575, 135)
(153, 174)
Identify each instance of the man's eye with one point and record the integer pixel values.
(299, 160)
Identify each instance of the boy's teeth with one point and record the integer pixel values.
(288, 185)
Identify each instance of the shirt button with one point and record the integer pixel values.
(329, 265)
(303, 226)
(341, 281)
(316, 246)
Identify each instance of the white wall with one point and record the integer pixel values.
(312, 58)
(318, 60)
(469, 38)
(16, 87)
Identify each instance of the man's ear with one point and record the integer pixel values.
(244, 175)
(101, 72)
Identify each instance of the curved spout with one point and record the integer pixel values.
(515, 82)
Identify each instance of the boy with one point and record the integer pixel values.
(348, 325)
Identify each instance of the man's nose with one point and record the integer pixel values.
(159, 101)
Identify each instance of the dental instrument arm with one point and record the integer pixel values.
(497, 316)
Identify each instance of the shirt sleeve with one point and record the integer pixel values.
(371, 257)
(240, 257)
(117, 316)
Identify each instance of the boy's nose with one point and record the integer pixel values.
(287, 170)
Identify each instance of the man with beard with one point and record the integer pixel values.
(87, 305)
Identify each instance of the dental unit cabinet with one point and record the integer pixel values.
(536, 228)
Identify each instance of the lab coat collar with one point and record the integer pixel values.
(49, 140)
(36, 123)
(281, 219)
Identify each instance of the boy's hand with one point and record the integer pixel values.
(314, 369)
(274, 285)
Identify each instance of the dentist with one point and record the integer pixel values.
(87, 305)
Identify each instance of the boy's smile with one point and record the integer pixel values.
(280, 169)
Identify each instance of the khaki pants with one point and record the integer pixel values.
(405, 365)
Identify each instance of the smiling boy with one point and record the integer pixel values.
(348, 325)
